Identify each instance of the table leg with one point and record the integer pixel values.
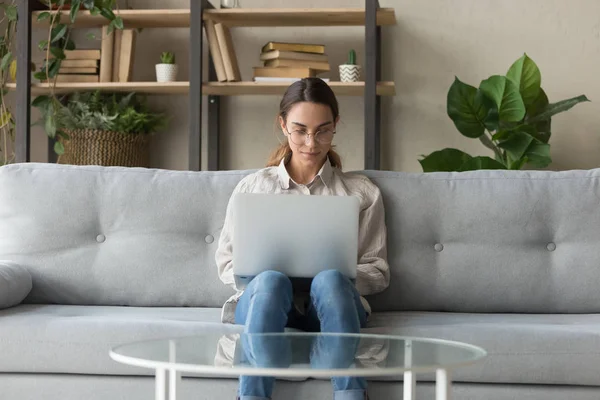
(161, 384)
(174, 376)
(443, 384)
(410, 381)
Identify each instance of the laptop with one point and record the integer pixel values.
(298, 235)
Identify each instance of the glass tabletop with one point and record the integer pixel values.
(298, 354)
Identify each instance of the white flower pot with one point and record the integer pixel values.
(349, 73)
(166, 72)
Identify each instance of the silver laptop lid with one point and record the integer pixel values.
(298, 235)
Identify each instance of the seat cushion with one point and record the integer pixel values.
(522, 349)
(77, 339)
(15, 284)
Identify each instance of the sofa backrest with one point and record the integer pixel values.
(482, 241)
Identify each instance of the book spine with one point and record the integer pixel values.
(215, 51)
(228, 52)
(106, 55)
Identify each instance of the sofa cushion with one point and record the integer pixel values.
(15, 284)
(77, 339)
(528, 349)
(522, 349)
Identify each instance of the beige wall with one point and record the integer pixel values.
(433, 41)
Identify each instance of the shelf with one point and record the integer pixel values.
(261, 88)
(138, 87)
(208, 88)
(180, 18)
(298, 16)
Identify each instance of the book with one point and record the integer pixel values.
(82, 54)
(215, 51)
(126, 56)
(284, 72)
(106, 55)
(118, 34)
(228, 52)
(81, 70)
(75, 78)
(265, 79)
(79, 64)
(292, 55)
(301, 47)
(318, 66)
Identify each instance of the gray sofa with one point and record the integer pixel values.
(509, 261)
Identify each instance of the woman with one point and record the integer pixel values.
(306, 164)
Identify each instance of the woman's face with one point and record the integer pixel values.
(309, 129)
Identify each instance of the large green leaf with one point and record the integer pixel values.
(543, 128)
(538, 154)
(466, 109)
(528, 78)
(444, 160)
(481, 163)
(517, 144)
(58, 33)
(506, 97)
(556, 108)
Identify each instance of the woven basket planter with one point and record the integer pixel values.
(95, 147)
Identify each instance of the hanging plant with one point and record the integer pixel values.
(59, 40)
(8, 66)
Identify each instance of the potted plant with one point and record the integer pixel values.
(167, 70)
(350, 72)
(105, 129)
(511, 115)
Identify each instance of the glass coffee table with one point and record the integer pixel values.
(299, 355)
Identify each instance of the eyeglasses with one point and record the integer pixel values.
(300, 136)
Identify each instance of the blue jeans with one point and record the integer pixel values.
(335, 306)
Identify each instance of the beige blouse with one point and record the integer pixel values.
(373, 274)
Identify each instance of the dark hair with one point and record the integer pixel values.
(313, 90)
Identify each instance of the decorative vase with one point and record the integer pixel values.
(349, 73)
(166, 72)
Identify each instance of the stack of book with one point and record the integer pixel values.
(291, 61)
(222, 52)
(112, 63)
(80, 66)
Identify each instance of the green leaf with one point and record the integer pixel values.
(556, 108)
(41, 102)
(41, 75)
(54, 68)
(59, 148)
(5, 119)
(481, 162)
(75, 6)
(466, 109)
(528, 78)
(6, 61)
(518, 164)
(119, 23)
(58, 33)
(90, 36)
(44, 16)
(50, 125)
(506, 97)
(538, 154)
(70, 45)
(516, 145)
(107, 13)
(12, 13)
(58, 53)
(543, 128)
(42, 45)
(89, 4)
(95, 11)
(444, 160)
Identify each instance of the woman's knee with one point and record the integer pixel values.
(273, 282)
(330, 280)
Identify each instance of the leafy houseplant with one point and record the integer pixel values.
(167, 70)
(350, 72)
(90, 120)
(510, 115)
(59, 40)
(8, 19)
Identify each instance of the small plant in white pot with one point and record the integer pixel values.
(167, 70)
(350, 72)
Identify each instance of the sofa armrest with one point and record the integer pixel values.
(15, 284)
